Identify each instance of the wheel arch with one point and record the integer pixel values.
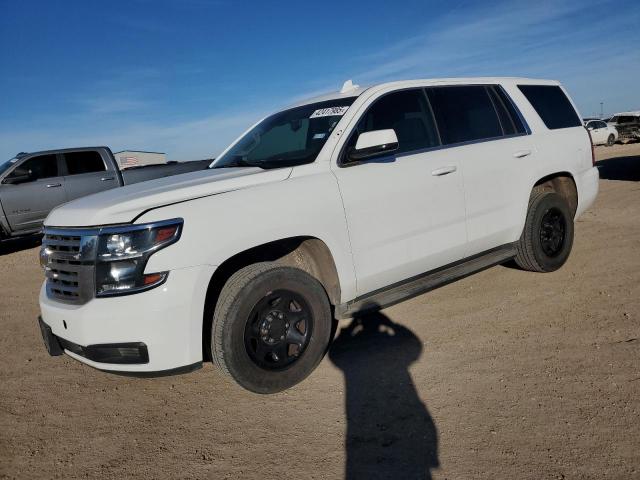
(563, 184)
(307, 253)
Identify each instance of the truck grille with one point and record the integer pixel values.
(68, 257)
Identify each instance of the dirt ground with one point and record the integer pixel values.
(504, 374)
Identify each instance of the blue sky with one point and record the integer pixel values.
(186, 77)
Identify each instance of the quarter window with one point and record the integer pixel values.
(84, 162)
(552, 105)
(465, 113)
(408, 114)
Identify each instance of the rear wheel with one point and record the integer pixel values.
(611, 140)
(271, 327)
(547, 237)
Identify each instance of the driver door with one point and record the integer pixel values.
(405, 210)
(28, 203)
(598, 132)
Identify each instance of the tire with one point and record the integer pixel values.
(264, 303)
(547, 237)
(611, 140)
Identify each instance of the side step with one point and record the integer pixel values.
(425, 282)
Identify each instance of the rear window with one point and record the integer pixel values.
(552, 105)
(84, 162)
(464, 114)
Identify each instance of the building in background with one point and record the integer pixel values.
(131, 158)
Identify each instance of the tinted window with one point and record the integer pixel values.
(464, 113)
(506, 103)
(84, 162)
(406, 112)
(552, 105)
(43, 166)
(625, 119)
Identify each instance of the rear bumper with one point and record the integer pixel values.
(587, 184)
(147, 333)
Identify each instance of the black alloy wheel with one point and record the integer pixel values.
(278, 330)
(552, 232)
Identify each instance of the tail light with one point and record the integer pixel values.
(593, 153)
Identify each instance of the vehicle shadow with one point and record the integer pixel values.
(390, 433)
(14, 245)
(620, 168)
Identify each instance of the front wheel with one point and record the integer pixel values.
(547, 237)
(271, 327)
(611, 140)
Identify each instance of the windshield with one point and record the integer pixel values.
(288, 138)
(4, 166)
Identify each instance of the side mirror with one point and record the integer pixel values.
(374, 144)
(590, 127)
(19, 175)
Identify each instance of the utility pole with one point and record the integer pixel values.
(601, 110)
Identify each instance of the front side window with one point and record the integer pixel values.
(464, 113)
(42, 166)
(552, 105)
(84, 162)
(408, 114)
(288, 138)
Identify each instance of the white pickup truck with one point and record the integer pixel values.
(331, 208)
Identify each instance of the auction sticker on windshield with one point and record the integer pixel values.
(329, 112)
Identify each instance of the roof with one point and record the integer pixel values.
(631, 114)
(358, 90)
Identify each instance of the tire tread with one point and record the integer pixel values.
(236, 282)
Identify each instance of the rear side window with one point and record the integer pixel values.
(84, 162)
(406, 112)
(552, 105)
(464, 113)
(42, 166)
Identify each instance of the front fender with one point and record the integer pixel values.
(221, 226)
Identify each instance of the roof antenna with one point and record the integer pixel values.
(348, 86)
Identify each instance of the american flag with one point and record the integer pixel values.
(126, 162)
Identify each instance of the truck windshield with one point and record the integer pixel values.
(288, 138)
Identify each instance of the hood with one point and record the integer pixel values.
(122, 205)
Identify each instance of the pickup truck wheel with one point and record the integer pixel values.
(271, 327)
(611, 140)
(547, 237)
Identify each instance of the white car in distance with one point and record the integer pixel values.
(602, 133)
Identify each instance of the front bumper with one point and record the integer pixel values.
(154, 331)
(121, 353)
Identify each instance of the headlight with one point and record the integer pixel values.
(123, 253)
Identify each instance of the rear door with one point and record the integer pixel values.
(87, 172)
(482, 130)
(27, 204)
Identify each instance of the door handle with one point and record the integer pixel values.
(522, 153)
(438, 172)
(106, 179)
(53, 185)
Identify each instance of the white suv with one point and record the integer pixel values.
(340, 205)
